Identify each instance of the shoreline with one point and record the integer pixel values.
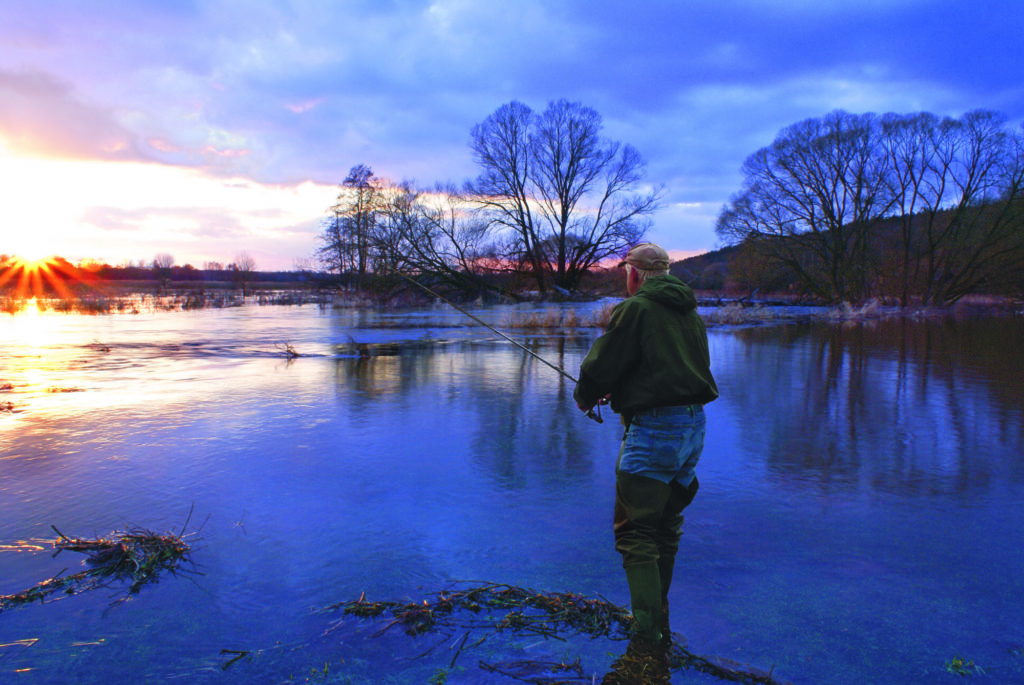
(718, 308)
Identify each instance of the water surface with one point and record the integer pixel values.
(860, 517)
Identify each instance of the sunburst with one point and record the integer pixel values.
(46, 277)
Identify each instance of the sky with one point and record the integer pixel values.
(206, 128)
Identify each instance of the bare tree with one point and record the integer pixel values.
(435, 233)
(812, 199)
(566, 196)
(245, 262)
(910, 143)
(162, 264)
(908, 204)
(958, 185)
(974, 231)
(243, 269)
(501, 147)
(346, 236)
(163, 261)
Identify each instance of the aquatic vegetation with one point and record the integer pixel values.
(137, 556)
(287, 351)
(128, 302)
(558, 319)
(737, 314)
(489, 609)
(963, 667)
(848, 312)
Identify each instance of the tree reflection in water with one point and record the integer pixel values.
(897, 406)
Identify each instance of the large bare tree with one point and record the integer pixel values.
(566, 197)
(913, 205)
(971, 231)
(812, 199)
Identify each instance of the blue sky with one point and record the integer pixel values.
(206, 128)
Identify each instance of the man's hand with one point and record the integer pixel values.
(604, 400)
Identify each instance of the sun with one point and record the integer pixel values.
(27, 277)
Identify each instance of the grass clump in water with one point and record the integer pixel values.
(485, 610)
(137, 556)
(963, 667)
(559, 319)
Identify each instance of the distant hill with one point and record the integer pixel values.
(706, 271)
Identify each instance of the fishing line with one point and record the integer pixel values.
(591, 414)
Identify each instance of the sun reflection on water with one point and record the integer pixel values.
(24, 337)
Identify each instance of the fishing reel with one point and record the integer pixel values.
(595, 411)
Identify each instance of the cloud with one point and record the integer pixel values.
(182, 223)
(285, 91)
(41, 115)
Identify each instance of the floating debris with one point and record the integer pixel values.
(287, 351)
(492, 608)
(963, 667)
(136, 556)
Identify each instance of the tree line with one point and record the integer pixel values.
(844, 207)
(912, 207)
(552, 199)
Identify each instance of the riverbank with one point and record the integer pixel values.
(716, 308)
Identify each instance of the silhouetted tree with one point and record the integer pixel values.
(434, 232)
(811, 201)
(912, 205)
(566, 197)
(243, 269)
(958, 187)
(347, 234)
(162, 264)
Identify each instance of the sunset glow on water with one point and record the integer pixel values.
(876, 463)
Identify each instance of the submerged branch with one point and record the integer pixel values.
(137, 556)
(493, 608)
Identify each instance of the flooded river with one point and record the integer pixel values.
(860, 519)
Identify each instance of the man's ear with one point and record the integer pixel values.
(632, 278)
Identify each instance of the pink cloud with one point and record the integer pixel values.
(211, 150)
(162, 145)
(304, 106)
(41, 115)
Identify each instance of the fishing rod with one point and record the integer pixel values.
(591, 414)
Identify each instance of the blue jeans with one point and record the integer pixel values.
(664, 443)
(655, 479)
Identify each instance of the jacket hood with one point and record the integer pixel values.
(670, 292)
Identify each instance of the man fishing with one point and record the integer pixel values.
(652, 362)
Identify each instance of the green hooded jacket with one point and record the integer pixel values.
(654, 352)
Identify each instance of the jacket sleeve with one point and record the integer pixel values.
(613, 355)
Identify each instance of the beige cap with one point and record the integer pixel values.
(647, 256)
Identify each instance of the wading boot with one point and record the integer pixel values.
(642, 664)
(645, 599)
(665, 567)
(671, 529)
(666, 629)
